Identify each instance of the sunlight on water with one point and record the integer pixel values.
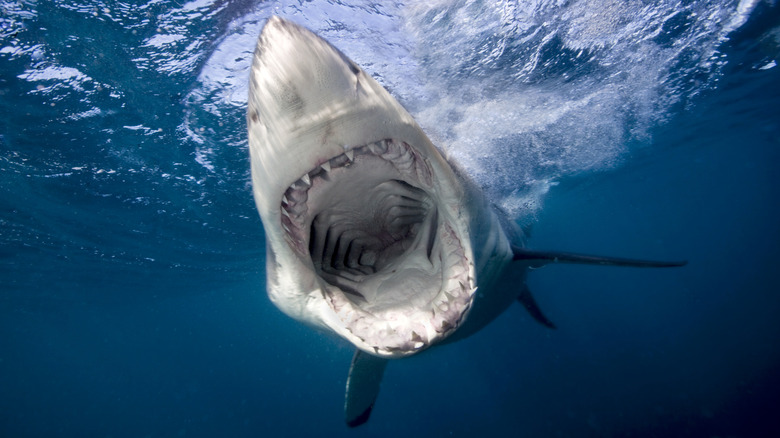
(521, 95)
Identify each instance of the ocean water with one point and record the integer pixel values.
(132, 299)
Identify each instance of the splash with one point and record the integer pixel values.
(521, 94)
(524, 94)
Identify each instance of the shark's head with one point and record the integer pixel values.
(367, 225)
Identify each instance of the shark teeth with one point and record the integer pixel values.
(398, 332)
(398, 153)
(389, 331)
(302, 184)
(378, 148)
(339, 161)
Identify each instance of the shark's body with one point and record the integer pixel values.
(371, 233)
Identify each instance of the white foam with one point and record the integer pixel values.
(521, 94)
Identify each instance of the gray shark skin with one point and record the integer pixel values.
(370, 233)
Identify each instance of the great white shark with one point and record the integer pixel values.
(370, 233)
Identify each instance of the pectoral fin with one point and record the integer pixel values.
(365, 376)
(540, 258)
(536, 259)
(528, 301)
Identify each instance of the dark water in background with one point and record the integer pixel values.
(131, 256)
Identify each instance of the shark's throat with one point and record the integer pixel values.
(368, 233)
(380, 241)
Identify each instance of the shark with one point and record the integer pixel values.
(371, 234)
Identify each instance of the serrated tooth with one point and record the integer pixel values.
(452, 287)
(302, 184)
(339, 161)
(285, 200)
(378, 148)
(350, 155)
(297, 210)
(297, 196)
(393, 150)
(326, 166)
(445, 326)
(362, 150)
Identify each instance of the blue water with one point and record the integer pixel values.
(132, 298)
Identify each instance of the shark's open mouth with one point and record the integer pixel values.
(390, 262)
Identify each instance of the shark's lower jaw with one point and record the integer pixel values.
(390, 263)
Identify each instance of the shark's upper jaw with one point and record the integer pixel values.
(370, 225)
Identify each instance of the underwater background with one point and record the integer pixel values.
(132, 283)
